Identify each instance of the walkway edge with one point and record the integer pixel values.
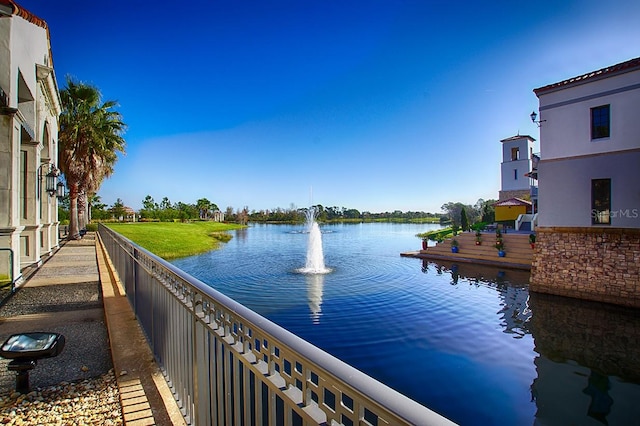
(144, 393)
(444, 258)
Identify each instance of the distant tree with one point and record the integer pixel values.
(229, 216)
(453, 211)
(488, 211)
(242, 216)
(165, 204)
(98, 209)
(149, 208)
(185, 211)
(148, 203)
(118, 209)
(464, 222)
(351, 214)
(204, 207)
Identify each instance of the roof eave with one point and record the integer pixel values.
(610, 71)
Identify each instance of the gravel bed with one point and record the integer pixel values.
(53, 298)
(94, 401)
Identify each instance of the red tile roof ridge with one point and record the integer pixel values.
(622, 67)
(513, 202)
(25, 14)
(17, 10)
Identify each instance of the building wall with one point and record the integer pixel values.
(509, 212)
(28, 131)
(574, 257)
(601, 264)
(521, 166)
(565, 189)
(567, 129)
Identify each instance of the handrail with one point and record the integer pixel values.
(229, 365)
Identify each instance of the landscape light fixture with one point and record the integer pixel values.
(533, 118)
(50, 178)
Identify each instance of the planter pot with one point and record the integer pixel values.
(501, 253)
(454, 249)
(533, 245)
(424, 245)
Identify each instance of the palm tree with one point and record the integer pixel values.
(90, 137)
(204, 206)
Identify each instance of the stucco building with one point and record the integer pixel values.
(588, 243)
(29, 110)
(515, 166)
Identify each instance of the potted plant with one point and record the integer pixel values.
(500, 247)
(478, 238)
(454, 245)
(498, 234)
(532, 240)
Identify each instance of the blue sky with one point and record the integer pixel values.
(373, 105)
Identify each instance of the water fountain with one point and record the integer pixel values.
(315, 255)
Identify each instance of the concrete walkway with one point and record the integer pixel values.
(75, 293)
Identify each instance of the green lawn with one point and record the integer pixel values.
(171, 240)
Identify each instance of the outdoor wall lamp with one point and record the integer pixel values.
(50, 178)
(533, 118)
(60, 192)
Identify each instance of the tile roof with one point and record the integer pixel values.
(17, 10)
(630, 65)
(512, 202)
(13, 8)
(515, 138)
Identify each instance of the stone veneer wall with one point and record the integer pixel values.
(521, 193)
(601, 264)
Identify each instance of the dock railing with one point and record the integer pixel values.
(227, 365)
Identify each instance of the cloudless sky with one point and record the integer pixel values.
(373, 105)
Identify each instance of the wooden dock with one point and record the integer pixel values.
(519, 253)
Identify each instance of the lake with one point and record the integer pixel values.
(467, 341)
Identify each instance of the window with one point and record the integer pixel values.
(600, 122)
(600, 201)
(515, 174)
(515, 154)
(23, 184)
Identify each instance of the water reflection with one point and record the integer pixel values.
(587, 359)
(512, 287)
(588, 363)
(315, 284)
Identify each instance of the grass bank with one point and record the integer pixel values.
(171, 240)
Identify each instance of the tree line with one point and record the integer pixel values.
(454, 213)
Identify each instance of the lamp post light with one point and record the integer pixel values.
(533, 116)
(50, 178)
(60, 191)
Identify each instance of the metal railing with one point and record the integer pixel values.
(227, 365)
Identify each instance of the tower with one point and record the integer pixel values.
(515, 166)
